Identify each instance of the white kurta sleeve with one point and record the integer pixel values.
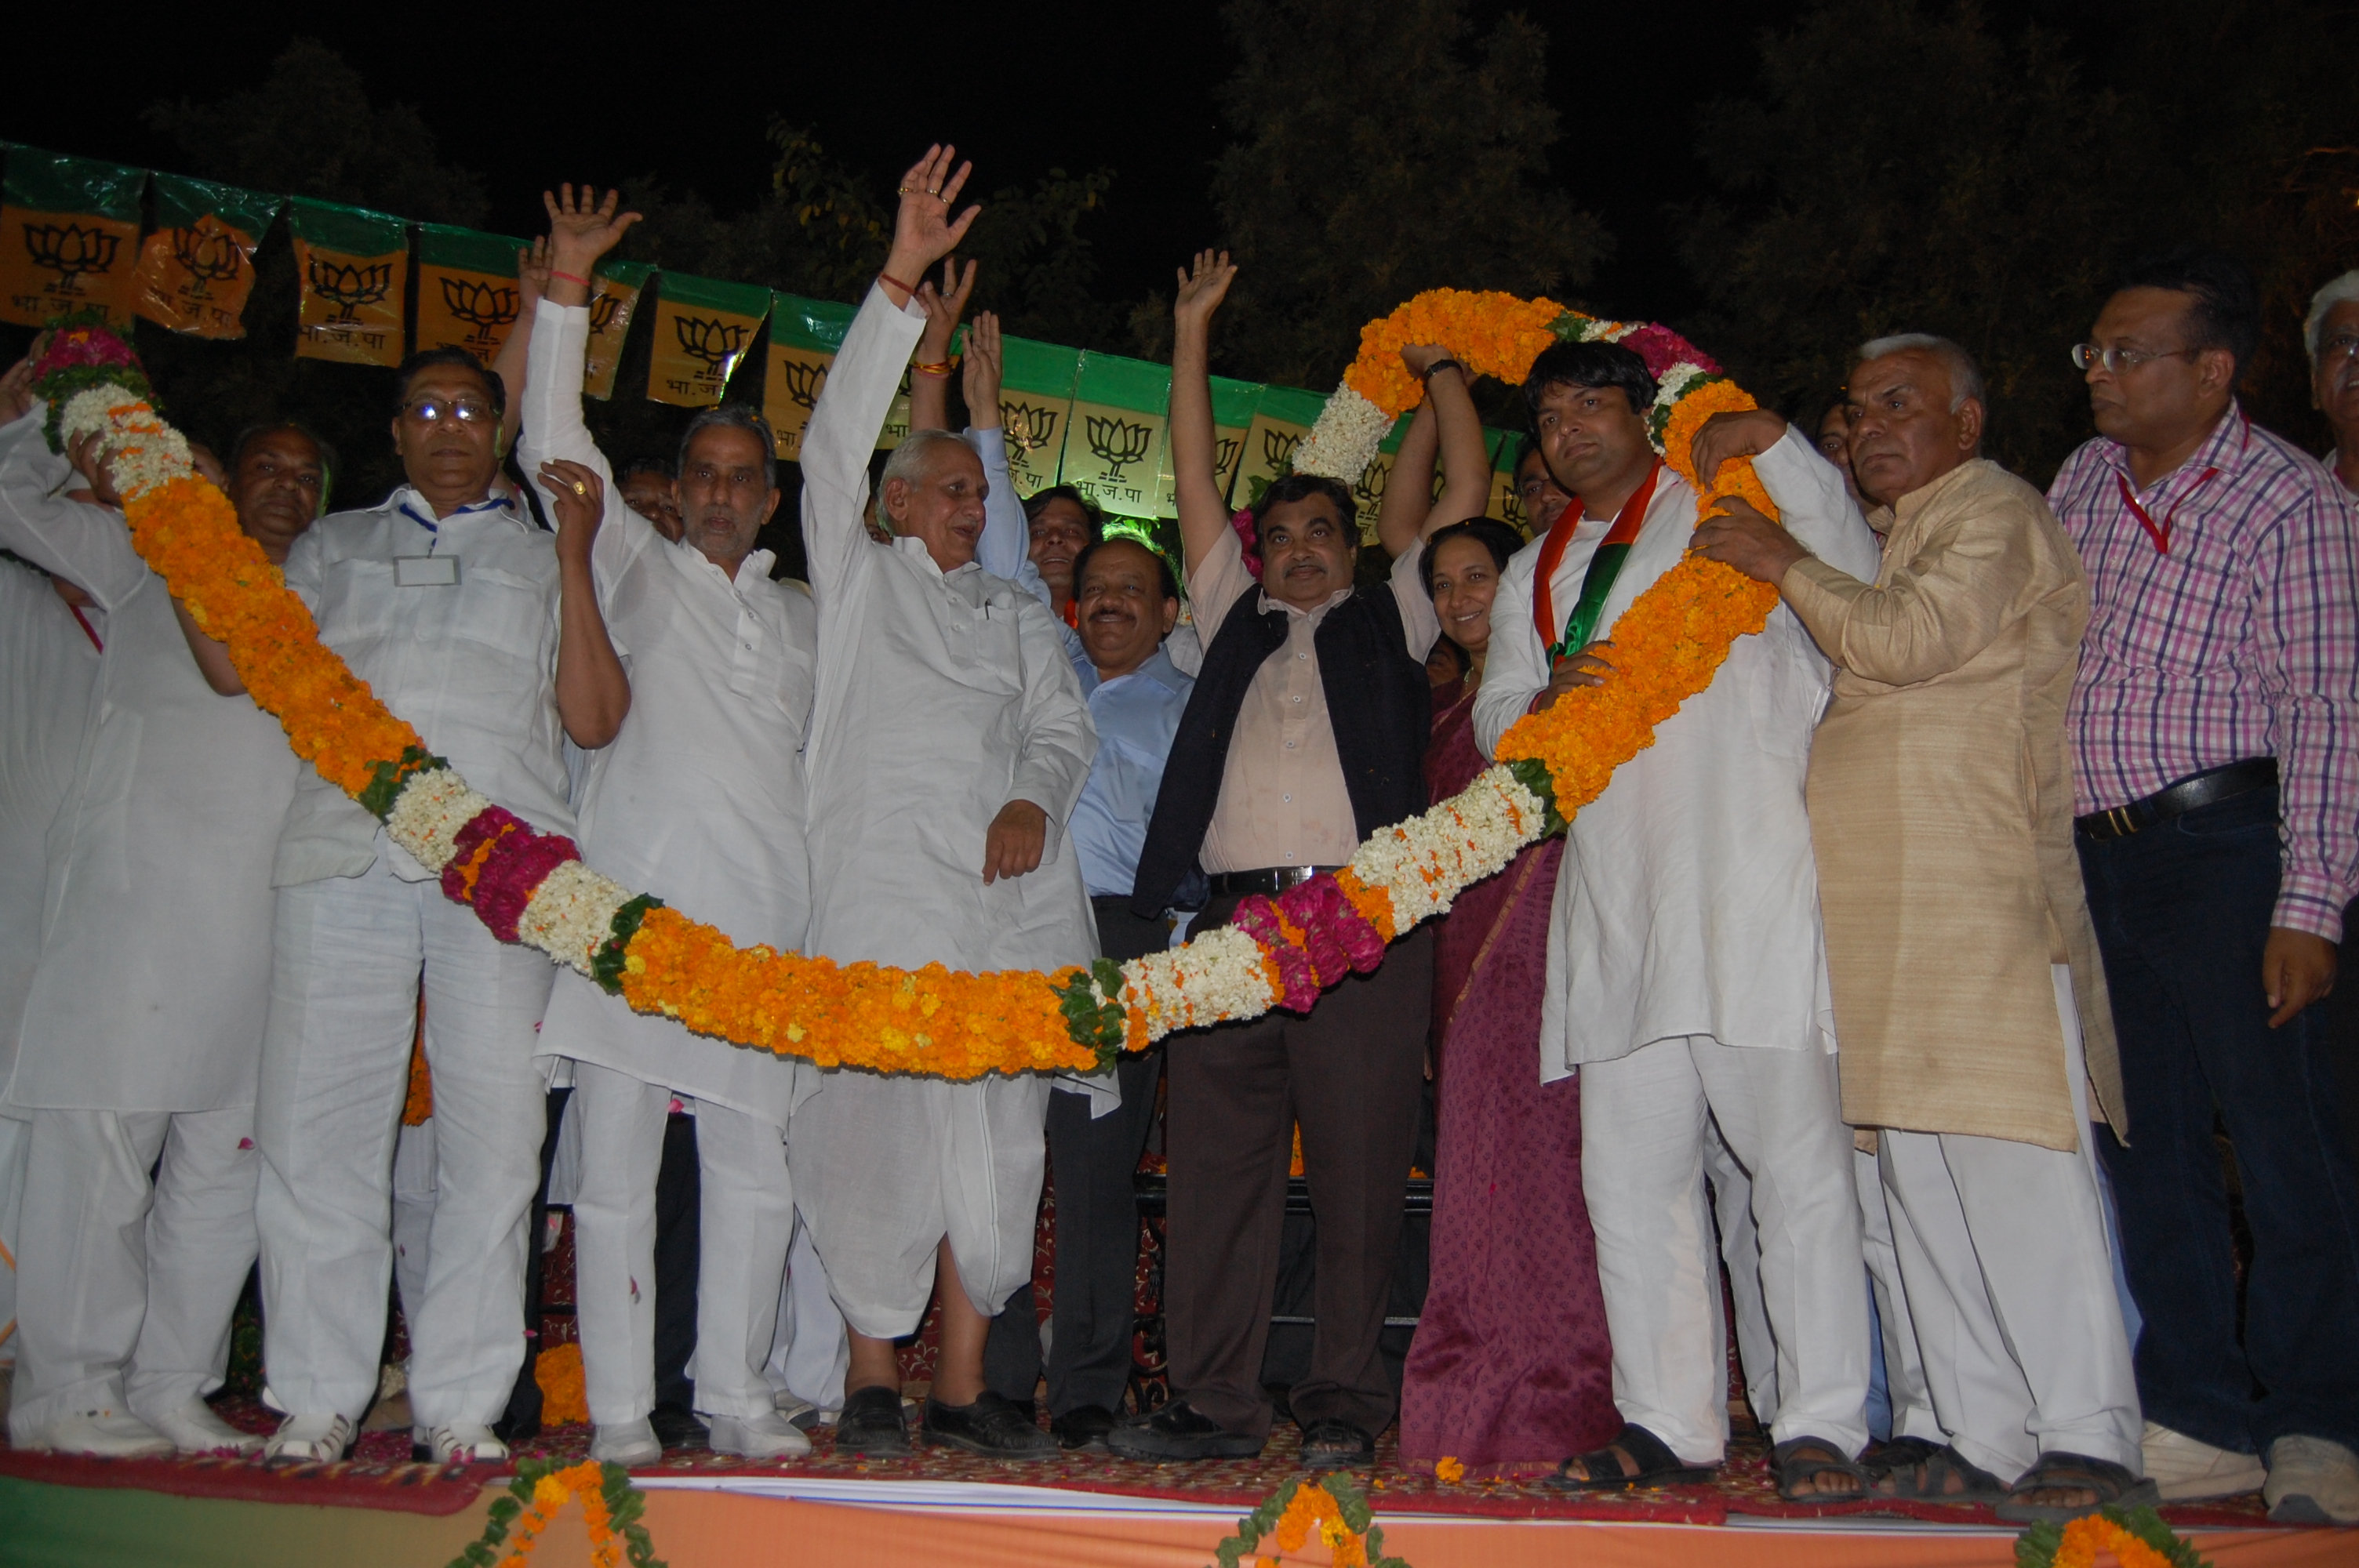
(1815, 507)
(842, 432)
(1517, 668)
(1420, 625)
(1059, 742)
(86, 545)
(1004, 546)
(553, 427)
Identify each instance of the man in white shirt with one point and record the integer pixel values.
(484, 633)
(699, 800)
(1687, 971)
(142, 1020)
(949, 742)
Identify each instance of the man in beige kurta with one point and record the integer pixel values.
(1968, 994)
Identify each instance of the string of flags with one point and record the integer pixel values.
(374, 287)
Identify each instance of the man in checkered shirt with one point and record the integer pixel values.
(2215, 732)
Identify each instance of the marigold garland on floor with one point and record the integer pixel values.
(1329, 1506)
(2136, 1537)
(611, 1507)
(532, 887)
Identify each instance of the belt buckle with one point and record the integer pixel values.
(2119, 819)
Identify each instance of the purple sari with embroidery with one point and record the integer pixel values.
(1510, 1370)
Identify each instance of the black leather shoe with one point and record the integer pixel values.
(992, 1426)
(871, 1424)
(1177, 1431)
(676, 1427)
(1333, 1444)
(1083, 1428)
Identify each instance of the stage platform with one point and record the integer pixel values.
(938, 1510)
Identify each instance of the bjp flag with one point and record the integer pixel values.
(69, 237)
(1036, 398)
(352, 266)
(614, 289)
(467, 292)
(1234, 403)
(1114, 436)
(704, 329)
(804, 336)
(196, 269)
(1282, 417)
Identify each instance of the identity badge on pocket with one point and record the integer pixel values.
(425, 571)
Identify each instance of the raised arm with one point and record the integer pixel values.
(508, 364)
(578, 234)
(1408, 494)
(1445, 422)
(1203, 516)
(930, 374)
(86, 545)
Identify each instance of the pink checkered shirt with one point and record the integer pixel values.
(2242, 640)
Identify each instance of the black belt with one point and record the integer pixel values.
(1269, 879)
(2203, 789)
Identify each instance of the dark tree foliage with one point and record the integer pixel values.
(1377, 151)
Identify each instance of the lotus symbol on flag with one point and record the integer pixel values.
(1029, 429)
(70, 251)
(717, 344)
(1279, 446)
(348, 285)
(209, 253)
(486, 306)
(1117, 442)
(1511, 505)
(803, 381)
(602, 312)
(1224, 456)
(1371, 487)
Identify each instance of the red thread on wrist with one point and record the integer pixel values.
(568, 277)
(888, 278)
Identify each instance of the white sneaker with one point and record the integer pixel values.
(461, 1443)
(2313, 1480)
(194, 1429)
(768, 1436)
(626, 1443)
(2188, 1469)
(321, 1439)
(800, 1413)
(103, 1435)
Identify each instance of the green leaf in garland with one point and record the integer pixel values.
(606, 965)
(386, 779)
(1533, 775)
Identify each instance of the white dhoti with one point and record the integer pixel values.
(128, 1287)
(1643, 1120)
(2004, 1250)
(745, 1216)
(14, 1132)
(335, 1071)
(885, 1168)
(809, 1353)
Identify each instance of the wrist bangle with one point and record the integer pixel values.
(1444, 363)
(888, 278)
(938, 367)
(568, 277)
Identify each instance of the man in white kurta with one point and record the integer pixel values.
(143, 1023)
(946, 713)
(698, 800)
(49, 660)
(1687, 971)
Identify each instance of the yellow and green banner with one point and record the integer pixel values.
(1282, 416)
(1036, 396)
(703, 327)
(614, 289)
(1506, 504)
(1114, 436)
(197, 269)
(467, 292)
(352, 266)
(804, 336)
(69, 237)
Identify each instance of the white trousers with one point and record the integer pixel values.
(335, 1071)
(2003, 1248)
(1905, 1386)
(15, 1131)
(413, 1211)
(128, 1288)
(1643, 1125)
(1740, 1249)
(885, 1168)
(811, 1355)
(745, 1215)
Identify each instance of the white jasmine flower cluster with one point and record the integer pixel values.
(428, 814)
(145, 453)
(1215, 978)
(572, 913)
(1425, 863)
(1345, 440)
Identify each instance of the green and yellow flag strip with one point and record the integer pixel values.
(69, 237)
(1114, 436)
(1233, 411)
(614, 289)
(1036, 400)
(352, 268)
(467, 292)
(1505, 503)
(1282, 416)
(703, 327)
(195, 270)
(804, 336)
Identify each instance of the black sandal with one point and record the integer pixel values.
(1787, 1460)
(1657, 1465)
(2115, 1486)
(1926, 1480)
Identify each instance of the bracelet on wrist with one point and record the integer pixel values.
(1443, 364)
(907, 288)
(938, 367)
(555, 276)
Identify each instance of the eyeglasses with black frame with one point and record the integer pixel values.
(2087, 356)
(434, 410)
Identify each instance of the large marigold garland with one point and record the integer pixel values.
(2136, 1537)
(532, 887)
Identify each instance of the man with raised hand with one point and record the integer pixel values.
(1942, 819)
(143, 1023)
(948, 744)
(484, 633)
(1687, 974)
(699, 801)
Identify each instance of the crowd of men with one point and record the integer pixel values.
(1945, 922)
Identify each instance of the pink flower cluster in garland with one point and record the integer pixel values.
(498, 860)
(1313, 934)
(1662, 349)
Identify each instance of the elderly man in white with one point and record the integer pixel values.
(485, 634)
(949, 744)
(143, 1023)
(1687, 970)
(699, 801)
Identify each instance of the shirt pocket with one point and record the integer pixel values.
(506, 612)
(356, 603)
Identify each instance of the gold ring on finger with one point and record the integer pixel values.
(579, 488)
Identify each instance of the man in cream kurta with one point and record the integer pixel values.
(698, 800)
(143, 1023)
(1941, 811)
(1687, 974)
(945, 704)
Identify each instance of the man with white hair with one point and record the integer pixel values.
(1940, 819)
(948, 743)
(2330, 332)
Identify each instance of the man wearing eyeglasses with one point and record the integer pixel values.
(484, 633)
(2215, 738)
(2331, 334)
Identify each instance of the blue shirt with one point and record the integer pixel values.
(1137, 716)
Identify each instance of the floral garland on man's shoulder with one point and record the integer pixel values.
(611, 1507)
(1330, 1506)
(2136, 1537)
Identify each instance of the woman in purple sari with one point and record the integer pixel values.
(1510, 1370)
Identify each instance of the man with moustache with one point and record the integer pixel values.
(485, 633)
(1941, 824)
(1687, 972)
(2215, 769)
(143, 1023)
(1127, 601)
